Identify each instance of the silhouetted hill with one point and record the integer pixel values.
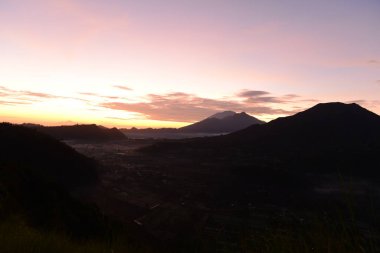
(83, 132)
(328, 137)
(150, 130)
(53, 160)
(323, 123)
(225, 122)
(36, 172)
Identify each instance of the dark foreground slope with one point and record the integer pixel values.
(83, 132)
(36, 174)
(55, 162)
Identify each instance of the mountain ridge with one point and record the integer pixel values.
(90, 132)
(222, 115)
(338, 117)
(224, 122)
(335, 136)
(216, 124)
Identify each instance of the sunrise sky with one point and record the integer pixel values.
(167, 63)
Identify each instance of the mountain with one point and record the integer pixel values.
(323, 124)
(219, 123)
(328, 137)
(82, 132)
(224, 122)
(222, 115)
(37, 173)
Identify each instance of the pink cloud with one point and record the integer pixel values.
(29, 97)
(122, 87)
(180, 106)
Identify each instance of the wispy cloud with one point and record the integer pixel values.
(91, 94)
(122, 87)
(265, 97)
(176, 106)
(37, 94)
(252, 93)
(124, 119)
(14, 97)
(88, 94)
(372, 61)
(13, 103)
(366, 103)
(7, 92)
(180, 106)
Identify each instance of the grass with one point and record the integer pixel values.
(17, 237)
(320, 236)
(324, 234)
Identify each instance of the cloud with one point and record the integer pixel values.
(366, 103)
(167, 107)
(372, 61)
(265, 97)
(88, 94)
(122, 87)
(269, 99)
(13, 103)
(175, 106)
(98, 95)
(6, 92)
(291, 96)
(180, 106)
(28, 97)
(37, 94)
(124, 119)
(118, 118)
(252, 93)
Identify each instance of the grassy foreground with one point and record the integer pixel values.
(17, 237)
(323, 237)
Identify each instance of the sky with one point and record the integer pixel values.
(172, 62)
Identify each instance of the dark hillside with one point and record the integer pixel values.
(83, 132)
(54, 161)
(36, 172)
(27, 197)
(328, 137)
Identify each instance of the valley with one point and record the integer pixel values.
(173, 198)
(296, 183)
